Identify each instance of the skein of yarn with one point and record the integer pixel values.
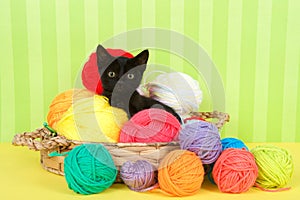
(139, 176)
(62, 102)
(89, 169)
(180, 173)
(233, 143)
(202, 138)
(150, 125)
(177, 90)
(93, 120)
(235, 171)
(275, 167)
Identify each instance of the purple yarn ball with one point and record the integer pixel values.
(140, 176)
(202, 138)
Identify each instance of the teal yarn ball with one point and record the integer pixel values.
(89, 169)
(233, 143)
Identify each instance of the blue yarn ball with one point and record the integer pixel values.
(89, 169)
(233, 143)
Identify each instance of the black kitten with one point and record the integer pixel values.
(120, 77)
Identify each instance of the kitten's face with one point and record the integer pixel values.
(120, 73)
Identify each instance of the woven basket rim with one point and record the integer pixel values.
(47, 141)
(42, 140)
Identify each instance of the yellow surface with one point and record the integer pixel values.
(22, 177)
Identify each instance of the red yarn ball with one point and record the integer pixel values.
(235, 171)
(150, 125)
(90, 75)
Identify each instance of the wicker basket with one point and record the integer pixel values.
(42, 140)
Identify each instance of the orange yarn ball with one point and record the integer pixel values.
(180, 173)
(235, 171)
(62, 102)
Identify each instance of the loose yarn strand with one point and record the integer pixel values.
(270, 190)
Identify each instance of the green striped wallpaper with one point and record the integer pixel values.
(254, 44)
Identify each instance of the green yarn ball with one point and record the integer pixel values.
(89, 169)
(275, 166)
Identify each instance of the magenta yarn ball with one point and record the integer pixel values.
(149, 126)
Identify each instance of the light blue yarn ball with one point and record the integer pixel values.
(233, 143)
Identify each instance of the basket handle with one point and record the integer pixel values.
(221, 117)
(45, 142)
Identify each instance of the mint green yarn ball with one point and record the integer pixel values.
(89, 169)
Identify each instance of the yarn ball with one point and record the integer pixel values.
(180, 173)
(202, 138)
(150, 125)
(90, 75)
(226, 143)
(62, 102)
(177, 90)
(92, 119)
(233, 143)
(235, 171)
(89, 169)
(139, 176)
(275, 166)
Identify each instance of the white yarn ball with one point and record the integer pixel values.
(177, 90)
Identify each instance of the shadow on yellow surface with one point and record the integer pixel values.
(22, 177)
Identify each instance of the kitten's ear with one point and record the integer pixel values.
(141, 58)
(102, 55)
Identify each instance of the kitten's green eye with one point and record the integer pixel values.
(130, 76)
(111, 74)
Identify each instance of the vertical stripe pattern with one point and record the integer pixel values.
(77, 39)
(177, 25)
(90, 23)
(35, 63)
(255, 46)
(20, 65)
(291, 71)
(49, 50)
(233, 64)
(247, 69)
(63, 46)
(276, 72)
(120, 22)
(262, 70)
(7, 95)
(148, 9)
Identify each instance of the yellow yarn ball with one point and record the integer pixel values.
(62, 102)
(92, 119)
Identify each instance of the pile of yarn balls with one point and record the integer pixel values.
(85, 115)
(181, 172)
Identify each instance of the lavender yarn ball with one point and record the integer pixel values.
(233, 143)
(202, 138)
(140, 176)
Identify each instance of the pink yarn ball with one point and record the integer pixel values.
(150, 125)
(235, 171)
